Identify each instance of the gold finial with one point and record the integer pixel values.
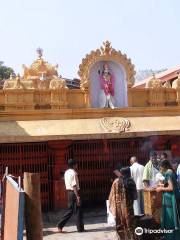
(107, 44)
(153, 74)
(18, 76)
(106, 48)
(12, 76)
(39, 52)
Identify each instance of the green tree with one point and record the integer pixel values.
(5, 71)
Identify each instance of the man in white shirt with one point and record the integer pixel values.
(137, 175)
(74, 201)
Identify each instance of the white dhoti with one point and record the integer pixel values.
(138, 204)
(106, 101)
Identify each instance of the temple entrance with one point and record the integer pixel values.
(96, 161)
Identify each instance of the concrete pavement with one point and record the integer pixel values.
(95, 225)
(95, 231)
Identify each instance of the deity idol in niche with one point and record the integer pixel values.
(107, 85)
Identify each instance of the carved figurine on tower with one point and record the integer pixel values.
(107, 85)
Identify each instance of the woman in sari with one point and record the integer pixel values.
(123, 193)
(170, 218)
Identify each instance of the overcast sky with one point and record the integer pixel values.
(148, 31)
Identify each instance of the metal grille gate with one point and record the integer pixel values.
(96, 158)
(29, 157)
(96, 161)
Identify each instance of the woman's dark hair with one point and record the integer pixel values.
(129, 184)
(118, 166)
(125, 171)
(166, 164)
(152, 153)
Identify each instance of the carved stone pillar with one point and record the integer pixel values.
(157, 97)
(58, 93)
(58, 98)
(86, 98)
(130, 99)
(178, 96)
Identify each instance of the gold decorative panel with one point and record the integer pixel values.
(105, 53)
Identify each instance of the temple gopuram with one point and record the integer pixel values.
(100, 119)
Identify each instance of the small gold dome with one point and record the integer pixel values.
(154, 82)
(167, 84)
(40, 68)
(176, 83)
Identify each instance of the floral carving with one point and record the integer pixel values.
(115, 125)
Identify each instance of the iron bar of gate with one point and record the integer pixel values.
(89, 144)
(97, 160)
(28, 157)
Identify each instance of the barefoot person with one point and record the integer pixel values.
(74, 201)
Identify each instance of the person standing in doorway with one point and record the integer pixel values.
(74, 200)
(137, 175)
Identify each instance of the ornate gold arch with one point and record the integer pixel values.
(105, 53)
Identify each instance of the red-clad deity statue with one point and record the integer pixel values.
(107, 84)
